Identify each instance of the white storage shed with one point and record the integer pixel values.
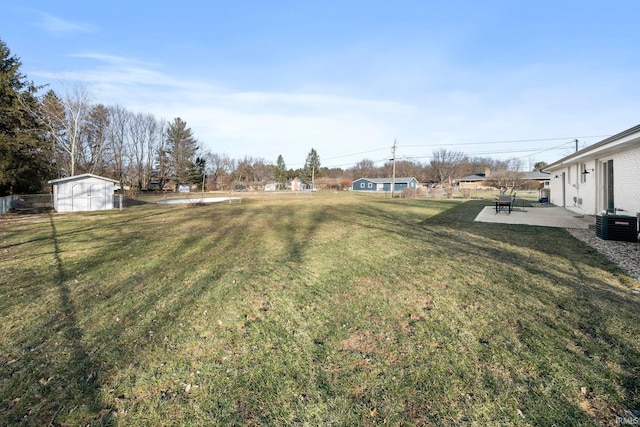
(85, 192)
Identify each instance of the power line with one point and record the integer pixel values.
(532, 152)
(557, 147)
(508, 141)
(347, 155)
(356, 154)
(482, 153)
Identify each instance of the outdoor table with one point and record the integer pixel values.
(503, 203)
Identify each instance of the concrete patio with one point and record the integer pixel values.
(543, 216)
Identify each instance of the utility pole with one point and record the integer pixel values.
(313, 178)
(393, 173)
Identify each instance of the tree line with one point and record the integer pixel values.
(56, 135)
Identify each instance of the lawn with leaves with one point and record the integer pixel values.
(335, 309)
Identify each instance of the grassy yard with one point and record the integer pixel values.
(334, 309)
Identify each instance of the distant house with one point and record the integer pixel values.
(604, 176)
(85, 192)
(479, 180)
(297, 185)
(384, 184)
(475, 181)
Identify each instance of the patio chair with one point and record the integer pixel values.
(543, 198)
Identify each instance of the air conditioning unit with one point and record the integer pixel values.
(617, 227)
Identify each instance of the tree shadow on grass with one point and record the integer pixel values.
(546, 268)
(595, 303)
(151, 301)
(79, 379)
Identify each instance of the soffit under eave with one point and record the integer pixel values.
(594, 153)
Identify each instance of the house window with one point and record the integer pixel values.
(362, 185)
(583, 176)
(370, 185)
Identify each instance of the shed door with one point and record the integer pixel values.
(88, 197)
(79, 197)
(97, 198)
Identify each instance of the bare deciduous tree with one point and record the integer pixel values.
(161, 166)
(119, 144)
(445, 165)
(144, 133)
(365, 168)
(508, 179)
(243, 169)
(262, 170)
(219, 168)
(64, 118)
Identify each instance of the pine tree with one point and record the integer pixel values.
(182, 147)
(25, 158)
(311, 167)
(281, 170)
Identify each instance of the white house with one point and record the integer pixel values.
(85, 192)
(604, 176)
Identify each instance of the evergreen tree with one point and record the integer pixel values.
(197, 172)
(52, 114)
(281, 170)
(311, 167)
(182, 147)
(539, 166)
(92, 159)
(25, 158)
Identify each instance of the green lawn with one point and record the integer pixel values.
(335, 309)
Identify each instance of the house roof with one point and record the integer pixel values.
(613, 143)
(387, 180)
(536, 175)
(474, 177)
(79, 177)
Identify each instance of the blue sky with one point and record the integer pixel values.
(498, 79)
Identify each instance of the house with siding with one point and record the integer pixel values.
(602, 177)
(384, 184)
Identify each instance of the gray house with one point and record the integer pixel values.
(384, 184)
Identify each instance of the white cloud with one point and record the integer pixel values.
(517, 104)
(257, 123)
(56, 25)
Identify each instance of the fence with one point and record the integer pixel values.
(7, 203)
(26, 203)
(37, 203)
(118, 201)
